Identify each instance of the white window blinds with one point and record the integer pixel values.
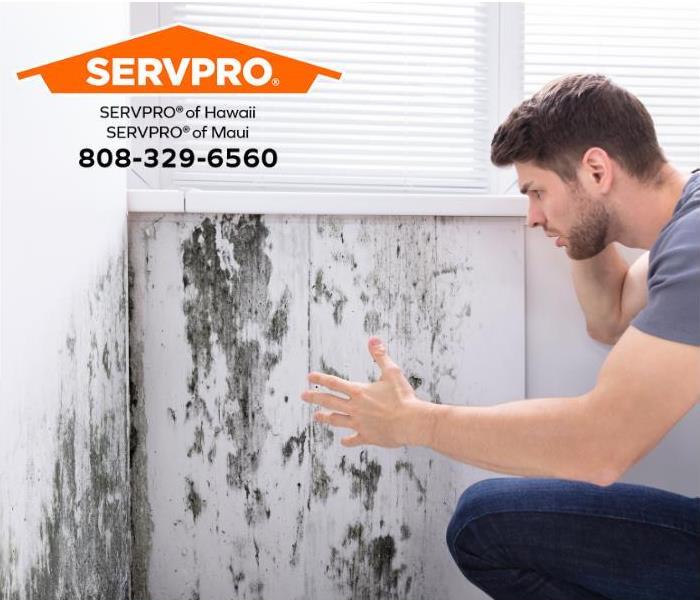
(653, 50)
(410, 111)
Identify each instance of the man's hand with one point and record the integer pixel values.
(385, 413)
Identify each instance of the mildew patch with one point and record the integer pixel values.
(372, 322)
(105, 361)
(415, 381)
(84, 532)
(198, 443)
(140, 506)
(279, 324)
(193, 500)
(237, 577)
(256, 508)
(226, 275)
(298, 537)
(364, 479)
(364, 568)
(256, 589)
(326, 368)
(288, 447)
(70, 344)
(320, 480)
(402, 465)
(331, 295)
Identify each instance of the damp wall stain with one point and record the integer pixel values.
(83, 533)
(225, 293)
(141, 522)
(364, 566)
(364, 478)
(237, 310)
(408, 468)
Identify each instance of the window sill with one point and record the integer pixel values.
(326, 203)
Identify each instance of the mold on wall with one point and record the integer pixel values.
(83, 540)
(241, 494)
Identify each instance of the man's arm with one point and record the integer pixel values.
(645, 386)
(610, 292)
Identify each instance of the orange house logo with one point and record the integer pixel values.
(179, 60)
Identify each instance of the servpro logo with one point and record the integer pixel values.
(178, 60)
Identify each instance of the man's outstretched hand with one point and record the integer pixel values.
(385, 413)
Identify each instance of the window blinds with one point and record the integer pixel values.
(410, 110)
(651, 49)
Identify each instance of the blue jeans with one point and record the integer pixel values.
(553, 539)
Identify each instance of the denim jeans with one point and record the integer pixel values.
(553, 539)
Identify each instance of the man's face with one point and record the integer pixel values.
(566, 212)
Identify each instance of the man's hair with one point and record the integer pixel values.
(556, 127)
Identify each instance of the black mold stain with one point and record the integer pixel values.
(415, 381)
(320, 480)
(257, 552)
(326, 368)
(84, 530)
(445, 271)
(364, 479)
(256, 589)
(193, 500)
(402, 465)
(334, 296)
(256, 508)
(320, 290)
(298, 537)
(288, 448)
(140, 509)
(405, 532)
(171, 415)
(70, 344)
(198, 444)
(226, 276)
(105, 361)
(372, 322)
(236, 578)
(364, 568)
(279, 323)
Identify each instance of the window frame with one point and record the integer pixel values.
(505, 39)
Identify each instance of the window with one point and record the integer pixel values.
(651, 50)
(425, 85)
(411, 109)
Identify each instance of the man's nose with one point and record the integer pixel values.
(535, 217)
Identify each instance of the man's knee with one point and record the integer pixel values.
(477, 500)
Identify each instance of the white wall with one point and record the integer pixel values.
(563, 361)
(63, 410)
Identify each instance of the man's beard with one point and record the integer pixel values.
(589, 235)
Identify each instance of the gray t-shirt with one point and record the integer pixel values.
(672, 311)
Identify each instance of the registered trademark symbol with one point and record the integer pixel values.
(275, 81)
(179, 109)
(186, 128)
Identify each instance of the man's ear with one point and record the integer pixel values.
(597, 170)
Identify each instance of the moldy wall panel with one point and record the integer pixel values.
(236, 492)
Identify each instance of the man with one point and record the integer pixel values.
(587, 157)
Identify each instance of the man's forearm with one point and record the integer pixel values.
(546, 437)
(598, 282)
